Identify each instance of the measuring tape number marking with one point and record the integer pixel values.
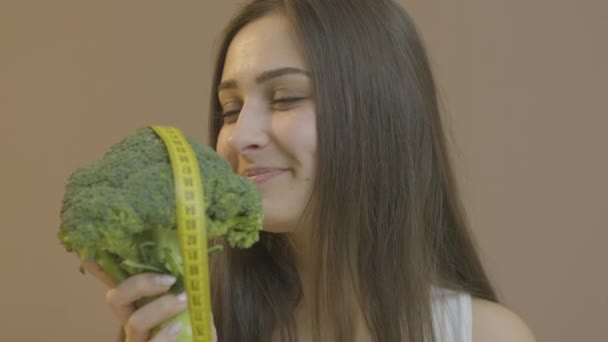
(190, 208)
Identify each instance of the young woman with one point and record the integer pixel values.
(330, 108)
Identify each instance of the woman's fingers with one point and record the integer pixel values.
(169, 333)
(150, 315)
(122, 297)
(137, 323)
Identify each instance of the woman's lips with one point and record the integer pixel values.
(261, 175)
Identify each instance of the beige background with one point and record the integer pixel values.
(524, 83)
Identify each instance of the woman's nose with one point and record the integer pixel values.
(250, 132)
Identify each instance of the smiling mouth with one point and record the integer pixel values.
(262, 175)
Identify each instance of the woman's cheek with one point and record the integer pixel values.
(297, 130)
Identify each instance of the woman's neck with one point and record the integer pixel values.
(302, 253)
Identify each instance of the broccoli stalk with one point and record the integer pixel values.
(120, 211)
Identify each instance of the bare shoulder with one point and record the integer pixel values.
(494, 322)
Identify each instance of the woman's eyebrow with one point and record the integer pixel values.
(264, 77)
(274, 73)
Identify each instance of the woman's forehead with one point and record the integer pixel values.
(265, 44)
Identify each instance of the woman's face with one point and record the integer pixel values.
(269, 132)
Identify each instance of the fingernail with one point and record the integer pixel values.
(182, 297)
(165, 280)
(175, 329)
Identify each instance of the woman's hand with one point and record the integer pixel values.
(137, 323)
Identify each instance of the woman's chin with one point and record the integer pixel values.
(275, 230)
(270, 226)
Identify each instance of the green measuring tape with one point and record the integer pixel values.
(192, 230)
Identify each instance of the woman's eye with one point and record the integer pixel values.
(229, 116)
(286, 100)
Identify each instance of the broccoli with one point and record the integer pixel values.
(120, 210)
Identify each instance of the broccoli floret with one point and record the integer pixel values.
(120, 210)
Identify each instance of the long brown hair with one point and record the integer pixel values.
(386, 212)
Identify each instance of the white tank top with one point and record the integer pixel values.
(452, 315)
